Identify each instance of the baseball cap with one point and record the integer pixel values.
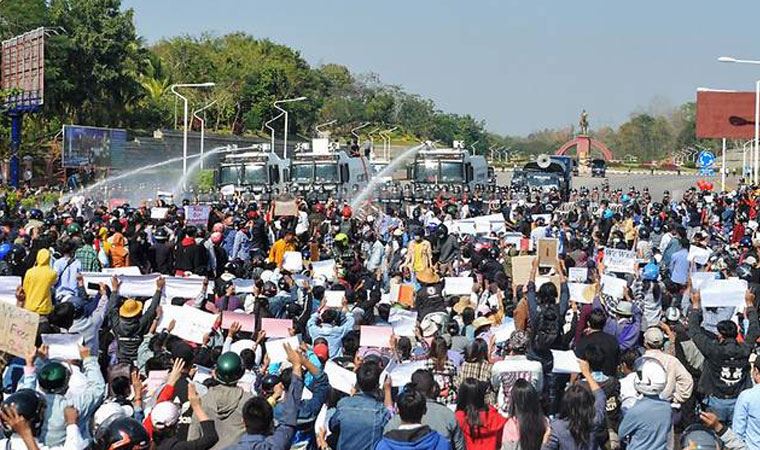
(654, 337)
(164, 415)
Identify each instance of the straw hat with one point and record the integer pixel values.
(130, 308)
(481, 322)
(428, 276)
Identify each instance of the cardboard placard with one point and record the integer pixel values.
(375, 336)
(581, 292)
(521, 266)
(197, 214)
(547, 252)
(285, 208)
(18, 329)
(617, 260)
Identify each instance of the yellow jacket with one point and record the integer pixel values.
(38, 284)
(277, 252)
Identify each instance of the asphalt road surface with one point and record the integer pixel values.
(657, 184)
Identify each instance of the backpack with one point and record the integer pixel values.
(547, 329)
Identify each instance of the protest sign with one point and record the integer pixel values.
(513, 238)
(699, 279)
(458, 285)
(401, 374)
(276, 348)
(717, 293)
(285, 208)
(227, 190)
(375, 336)
(190, 324)
(504, 331)
(613, 286)
(521, 267)
(403, 322)
(242, 286)
(618, 260)
(334, 299)
(547, 252)
(246, 321)
(8, 285)
(62, 346)
(197, 214)
(129, 270)
(403, 294)
(581, 292)
(292, 262)
(577, 274)
(341, 379)
(324, 269)
(158, 213)
(18, 329)
(201, 374)
(547, 217)
(698, 255)
(565, 362)
(277, 328)
(156, 379)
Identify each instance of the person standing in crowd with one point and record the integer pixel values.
(87, 255)
(38, 285)
(281, 246)
(526, 428)
(480, 422)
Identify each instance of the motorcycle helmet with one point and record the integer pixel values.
(54, 378)
(746, 242)
(30, 405)
(643, 233)
(229, 368)
(161, 235)
(650, 376)
(35, 214)
(5, 248)
(123, 433)
(650, 272)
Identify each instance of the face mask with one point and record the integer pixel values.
(418, 238)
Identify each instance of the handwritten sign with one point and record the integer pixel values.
(521, 266)
(324, 269)
(577, 274)
(158, 213)
(190, 324)
(245, 320)
(547, 252)
(613, 286)
(699, 255)
(289, 208)
(18, 329)
(617, 260)
(458, 285)
(197, 214)
(581, 293)
(375, 336)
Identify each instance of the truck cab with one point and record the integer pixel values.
(547, 173)
(253, 170)
(451, 169)
(330, 174)
(598, 168)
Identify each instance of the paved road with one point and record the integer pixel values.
(657, 184)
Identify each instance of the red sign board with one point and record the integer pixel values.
(722, 114)
(22, 69)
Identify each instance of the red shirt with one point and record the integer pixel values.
(488, 435)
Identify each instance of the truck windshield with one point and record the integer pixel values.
(452, 172)
(229, 175)
(598, 163)
(542, 179)
(256, 174)
(302, 172)
(326, 173)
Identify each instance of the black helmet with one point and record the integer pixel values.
(643, 233)
(161, 234)
(269, 289)
(229, 368)
(232, 267)
(123, 433)
(30, 405)
(54, 378)
(269, 382)
(35, 214)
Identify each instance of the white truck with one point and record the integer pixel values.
(325, 172)
(253, 169)
(450, 169)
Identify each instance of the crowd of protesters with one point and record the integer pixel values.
(655, 369)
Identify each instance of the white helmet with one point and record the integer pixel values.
(650, 378)
(107, 413)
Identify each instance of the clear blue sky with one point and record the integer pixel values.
(520, 65)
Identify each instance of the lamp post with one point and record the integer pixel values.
(285, 137)
(203, 126)
(387, 142)
(271, 130)
(756, 148)
(173, 88)
(321, 133)
(354, 130)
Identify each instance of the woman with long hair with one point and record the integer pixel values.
(476, 365)
(527, 426)
(481, 423)
(443, 370)
(581, 416)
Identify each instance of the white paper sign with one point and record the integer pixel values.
(699, 255)
(577, 274)
(613, 286)
(503, 332)
(334, 299)
(513, 239)
(129, 270)
(699, 279)
(276, 348)
(617, 260)
(8, 285)
(341, 379)
(190, 324)
(404, 322)
(324, 269)
(402, 373)
(227, 190)
(292, 262)
(197, 214)
(158, 213)
(458, 285)
(63, 346)
(719, 293)
(581, 292)
(565, 362)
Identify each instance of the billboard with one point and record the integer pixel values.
(725, 114)
(22, 70)
(95, 146)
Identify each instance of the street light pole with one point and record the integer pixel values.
(203, 126)
(173, 88)
(271, 130)
(354, 130)
(285, 137)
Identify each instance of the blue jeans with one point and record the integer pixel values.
(722, 407)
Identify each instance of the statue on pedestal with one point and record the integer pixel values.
(583, 123)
